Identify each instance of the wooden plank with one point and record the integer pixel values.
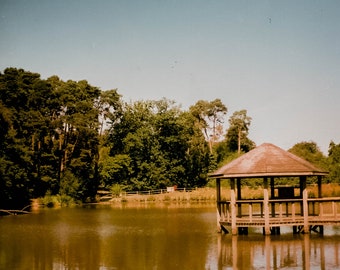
(305, 209)
(266, 206)
(280, 210)
(233, 207)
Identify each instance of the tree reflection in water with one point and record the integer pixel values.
(105, 237)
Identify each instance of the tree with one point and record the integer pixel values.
(334, 162)
(310, 151)
(78, 137)
(209, 118)
(236, 137)
(109, 106)
(49, 136)
(162, 145)
(26, 122)
(5, 124)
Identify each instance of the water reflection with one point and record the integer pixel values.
(278, 252)
(152, 238)
(104, 238)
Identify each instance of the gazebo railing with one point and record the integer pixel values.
(324, 209)
(282, 210)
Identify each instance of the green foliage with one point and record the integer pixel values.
(236, 139)
(49, 200)
(209, 118)
(310, 151)
(334, 162)
(115, 169)
(57, 200)
(237, 133)
(116, 190)
(70, 185)
(224, 157)
(153, 145)
(52, 132)
(61, 140)
(49, 132)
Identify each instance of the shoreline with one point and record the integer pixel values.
(206, 195)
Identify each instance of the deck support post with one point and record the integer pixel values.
(303, 180)
(238, 186)
(233, 206)
(319, 186)
(272, 194)
(239, 196)
(266, 206)
(218, 204)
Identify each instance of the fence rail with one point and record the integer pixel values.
(156, 191)
(108, 194)
(320, 210)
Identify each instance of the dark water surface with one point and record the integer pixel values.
(105, 237)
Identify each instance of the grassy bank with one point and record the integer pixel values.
(199, 195)
(208, 194)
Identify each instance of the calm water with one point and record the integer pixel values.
(104, 237)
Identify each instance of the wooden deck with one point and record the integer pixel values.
(280, 212)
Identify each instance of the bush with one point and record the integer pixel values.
(69, 185)
(49, 200)
(65, 200)
(57, 200)
(116, 190)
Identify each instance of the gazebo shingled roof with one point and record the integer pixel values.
(267, 160)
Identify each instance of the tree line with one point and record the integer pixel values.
(71, 138)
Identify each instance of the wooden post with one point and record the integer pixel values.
(218, 190)
(266, 206)
(218, 204)
(272, 194)
(319, 186)
(238, 184)
(272, 188)
(239, 197)
(303, 180)
(233, 206)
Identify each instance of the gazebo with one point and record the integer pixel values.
(286, 205)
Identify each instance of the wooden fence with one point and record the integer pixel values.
(106, 195)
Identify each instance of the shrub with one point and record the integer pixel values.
(116, 190)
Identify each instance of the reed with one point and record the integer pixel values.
(327, 190)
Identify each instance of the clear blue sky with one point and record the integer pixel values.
(280, 60)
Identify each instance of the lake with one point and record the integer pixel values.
(153, 237)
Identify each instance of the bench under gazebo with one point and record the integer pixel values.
(281, 205)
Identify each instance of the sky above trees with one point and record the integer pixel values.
(279, 60)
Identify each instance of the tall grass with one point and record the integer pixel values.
(53, 201)
(200, 195)
(327, 190)
(208, 194)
